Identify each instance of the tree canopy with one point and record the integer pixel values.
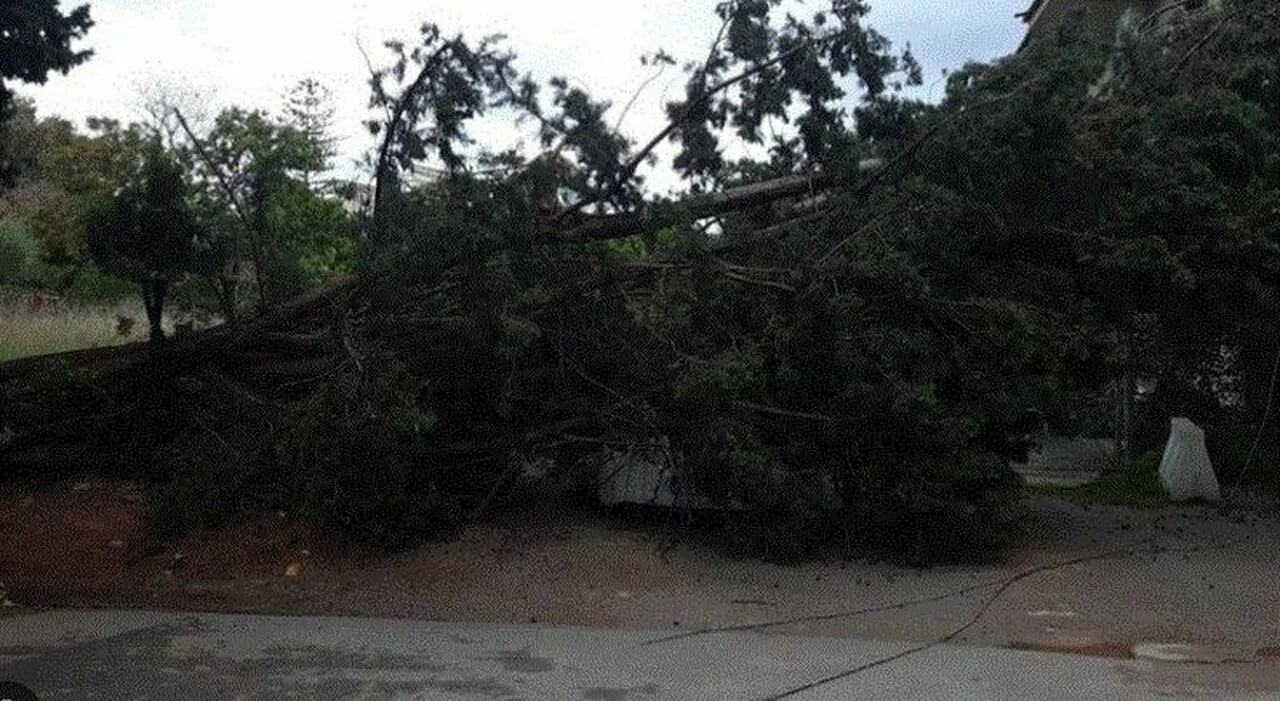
(36, 38)
(146, 231)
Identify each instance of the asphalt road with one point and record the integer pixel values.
(143, 655)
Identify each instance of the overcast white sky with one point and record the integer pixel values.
(248, 52)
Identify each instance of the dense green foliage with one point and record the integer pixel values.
(1146, 202)
(864, 364)
(254, 171)
(147, 232)
(35, 38)
(803, 378)
(271, 227)
(18, 251)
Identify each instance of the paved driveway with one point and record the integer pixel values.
(141, 655)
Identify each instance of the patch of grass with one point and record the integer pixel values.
(1135, 485)
(68, 326)
(72, 325)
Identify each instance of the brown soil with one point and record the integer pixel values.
(85, 545)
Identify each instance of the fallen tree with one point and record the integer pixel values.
(263, 329)
(847, 346)
(571, 393)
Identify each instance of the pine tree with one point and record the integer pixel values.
(309, 109)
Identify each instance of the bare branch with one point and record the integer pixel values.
(788, 413)
(612, 226)
(373, 72)
(381, 168)
(617, 125)
(216, 169)
(761, 283)
(629, 170)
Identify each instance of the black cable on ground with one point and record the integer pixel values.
(986, 606)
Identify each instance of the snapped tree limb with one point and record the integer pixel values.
(656, 216)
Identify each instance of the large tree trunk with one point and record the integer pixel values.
(153, 294)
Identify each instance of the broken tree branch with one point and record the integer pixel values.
(629, 169)
(650, 218)
(401, 107)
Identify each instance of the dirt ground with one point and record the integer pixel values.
(1094, 580)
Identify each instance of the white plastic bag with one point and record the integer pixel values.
(1185, 470)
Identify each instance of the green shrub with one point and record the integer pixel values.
(363, 474)
(200, 480)
(205, 448)
(91, 284)
(965, 507)
(18, 251)
(70, 401)
(358, 467)
(942, 507)
(1136, 484)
